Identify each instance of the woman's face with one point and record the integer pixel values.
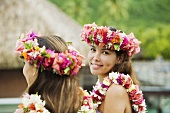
(101, 60)
(30, 72)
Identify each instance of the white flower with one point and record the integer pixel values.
(32, 111)
(26, 102)
(106, 82)
(113, 75)
(135, 107)
(35, 100)
(45, 110)
(103, 91)
(84, 108)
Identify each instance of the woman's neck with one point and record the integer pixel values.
(101, 77)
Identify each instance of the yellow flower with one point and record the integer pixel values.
(106, 82)
(24, 54)
(37, 48)
(131, 88)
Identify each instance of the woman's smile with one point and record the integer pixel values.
(95, 66)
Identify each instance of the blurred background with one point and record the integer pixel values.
(148, 19)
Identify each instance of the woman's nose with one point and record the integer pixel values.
(96, 57)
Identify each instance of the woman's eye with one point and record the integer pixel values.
(106, 53)
(92, 49)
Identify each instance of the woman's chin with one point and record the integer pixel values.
(94, 72)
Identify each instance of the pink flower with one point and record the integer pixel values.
(89, 26)
(19, 47)
(32, 34)
(138, 101)
(124, 43)
(133, 46)
(132, 93)
(137, 96)
(76, 65)
(48, 62)
(58, 60)
(26, 95)
(75, 70)
(87, 32)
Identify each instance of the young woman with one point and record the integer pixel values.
(117, 88)
(50, 70)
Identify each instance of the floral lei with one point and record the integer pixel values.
(114, 40)
(68, 62)
(32, 104)
(99, 92)
(94, 99)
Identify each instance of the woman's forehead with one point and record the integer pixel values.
(100, 47)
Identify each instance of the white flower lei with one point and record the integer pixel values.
(99, 92)
(92, 101)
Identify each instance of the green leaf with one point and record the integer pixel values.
(91, 38)
(117, 47)
(121, 40)
(28, 46)
(67, 70)
(26, 110)
(47, 55)
(44, 52)
(69, 43)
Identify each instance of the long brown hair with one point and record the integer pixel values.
(59, 92)
(125, 65)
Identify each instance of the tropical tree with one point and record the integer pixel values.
(113, 10)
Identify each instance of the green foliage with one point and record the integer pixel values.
(148, 19)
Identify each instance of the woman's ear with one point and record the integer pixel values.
(35, 72)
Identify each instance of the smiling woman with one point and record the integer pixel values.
(117, 89)
(101, 68)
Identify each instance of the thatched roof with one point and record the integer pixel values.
(18, 16)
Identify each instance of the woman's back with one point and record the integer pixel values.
(54, 67)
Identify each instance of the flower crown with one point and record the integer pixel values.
(68, 62)
(113, 40)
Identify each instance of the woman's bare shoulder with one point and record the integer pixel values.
(116, 90)
(116, 99)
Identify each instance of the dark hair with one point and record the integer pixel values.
(125, 65)
(59, 92)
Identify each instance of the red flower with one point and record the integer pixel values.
(138, 101)
(128, 83)
(32, 106)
